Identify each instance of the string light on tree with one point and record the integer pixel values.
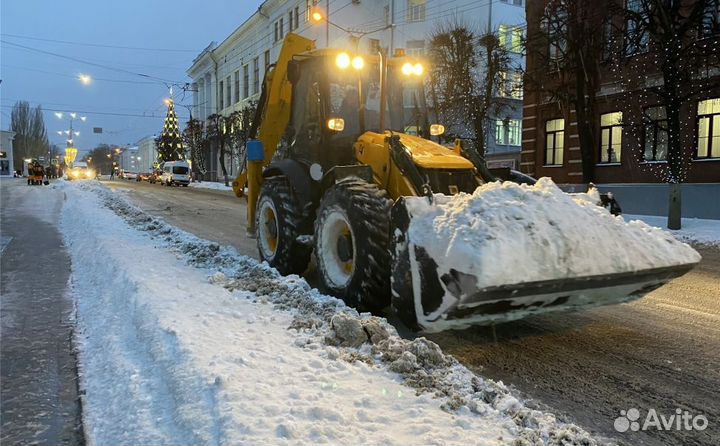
(170, 144)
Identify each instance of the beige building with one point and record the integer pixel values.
(6, 153)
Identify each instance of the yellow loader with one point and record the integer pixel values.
(329, 170)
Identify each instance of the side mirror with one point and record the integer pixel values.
(437, 129)
(336, 124)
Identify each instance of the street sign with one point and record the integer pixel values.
(97, 129)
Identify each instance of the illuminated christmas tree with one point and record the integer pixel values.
(170, 143)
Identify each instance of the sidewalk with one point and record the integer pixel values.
(40, 403)
(694, 230)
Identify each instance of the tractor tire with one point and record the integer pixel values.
(352, 244)
(277, 226)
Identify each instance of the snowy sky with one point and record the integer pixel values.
(119, 99)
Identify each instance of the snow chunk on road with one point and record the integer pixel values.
(506, 233)
(211, 185)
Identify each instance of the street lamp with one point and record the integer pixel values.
(85, 79)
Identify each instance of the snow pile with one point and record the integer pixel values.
(694, 230)
(211, 185)
(507, 233)
(183, 341)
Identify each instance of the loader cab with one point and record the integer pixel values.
(322, 91)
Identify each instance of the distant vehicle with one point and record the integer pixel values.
(144, 176)
(155, 176)
(175, 173)
(130, 175)
(81, 171)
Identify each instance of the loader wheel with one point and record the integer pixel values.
(277, 226)
(352, 244)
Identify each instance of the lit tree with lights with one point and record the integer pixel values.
(170, 143)
(666, 58)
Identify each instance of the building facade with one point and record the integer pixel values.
(128, 159)
(631, 144)
(146, 154)
(228, 76)
(6, 153)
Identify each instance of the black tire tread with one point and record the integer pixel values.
(368, 210)
(292, 257)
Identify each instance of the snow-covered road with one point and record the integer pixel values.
(183, 341)
(660, 351)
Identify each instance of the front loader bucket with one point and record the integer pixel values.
(428, 299)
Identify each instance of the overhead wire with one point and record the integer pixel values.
(99, 45)
(107, 67)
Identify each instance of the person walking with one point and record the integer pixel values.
(112, 173)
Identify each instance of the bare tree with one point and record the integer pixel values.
(193, 138)
(240, 122)
(467, 70)
(31, 139)
(217, 134)
(676, 42)
(570, 49)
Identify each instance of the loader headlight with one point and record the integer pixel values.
(358, 62)
(342, 60)
(409, 69)
(89, 173)
(437, 129)
(336, 124)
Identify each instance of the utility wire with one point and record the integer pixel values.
(62, 56)
(85, 112)
(75, 77)
(98, 45)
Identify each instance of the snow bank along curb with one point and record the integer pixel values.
(698, 231)
(326, 320)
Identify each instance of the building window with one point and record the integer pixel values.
(246, 82)
(415, 48)
(237, 85)
(279, 29)
(656, 134)
(556, 32)
(554, 142)
(221, 91)
(508, 131)
(708, 145)
(256, 75)
(514, 2)
(711, 19)
(228, 92)
(290, 20)
(511, 38)
(416, 10)
(637, 39)
(610, 137)
(386, 14)
(297, 17)
(309, 4)
(511, 85)
(267, 60)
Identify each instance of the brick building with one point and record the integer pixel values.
(550, 143)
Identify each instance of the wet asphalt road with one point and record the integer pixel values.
(661, 352)
(38, 367)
